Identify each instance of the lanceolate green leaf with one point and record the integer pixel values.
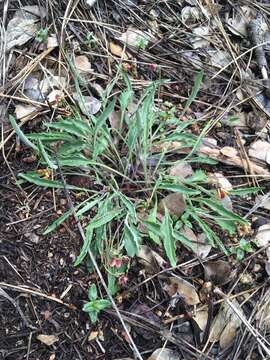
(95, 224)
(184, 240)
(166, 230)
(227, 225)
(37, 180)
(70, 127)
(20, 133)
(104, 219)
(71, 147)
(195, 90)
(125, 98)
(128, 204)
(245, 191)
(215, 206)
(153, 227)
(112, 284)
(51, 136)
(213, 239)
(178, 188)
(198, 177)
(88, 206)
(57, 222)
(152, 218)
(46, 156)
(74, 161)
(92, 292)
(132, 238)
(86, 245)
(105, 114)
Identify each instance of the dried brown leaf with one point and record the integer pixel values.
(182, 170)
(50, 83)
(133, 36)
(115, 119)
(189, 233)
(185, 289)
(200, 37)
(220, 180)
(238, 24)
(175, 203)
(82, 64)
(55, 96)
(225, 324)
(229, 151)
(23, 110)
(218, 272)
(31, 12)
(150, 259)
(19, 31)
(201, 317)
(93, 335)
(52, 41)
(263, 313)
(47, 339)
(117, 50)
(202, 248)
(190, 14)
(88, 104)
(219, 58)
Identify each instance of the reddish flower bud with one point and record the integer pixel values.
(127, 66)
(123, 280)
(125, 259)
(152, 67)
(116, 263)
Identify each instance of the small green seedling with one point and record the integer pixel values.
(95, 305)
(141, 43)
(243, 248)
(90, 39)
(42, 35)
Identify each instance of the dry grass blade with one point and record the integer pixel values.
(2, 54)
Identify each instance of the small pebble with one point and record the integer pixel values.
(257, 268)
(246, 279)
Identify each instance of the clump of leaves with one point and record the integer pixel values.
(86, 145)
(90, 39)
(95, 305)
(141, 43)
(242, 249)
(42, 35)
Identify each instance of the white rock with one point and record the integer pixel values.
(262, 237)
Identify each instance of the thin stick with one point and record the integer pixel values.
(34, 292)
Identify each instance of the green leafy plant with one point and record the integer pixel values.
(130, 175)
(242, 249)
(141, 43)
(90, 39)
(42, 35)
(94, 306)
